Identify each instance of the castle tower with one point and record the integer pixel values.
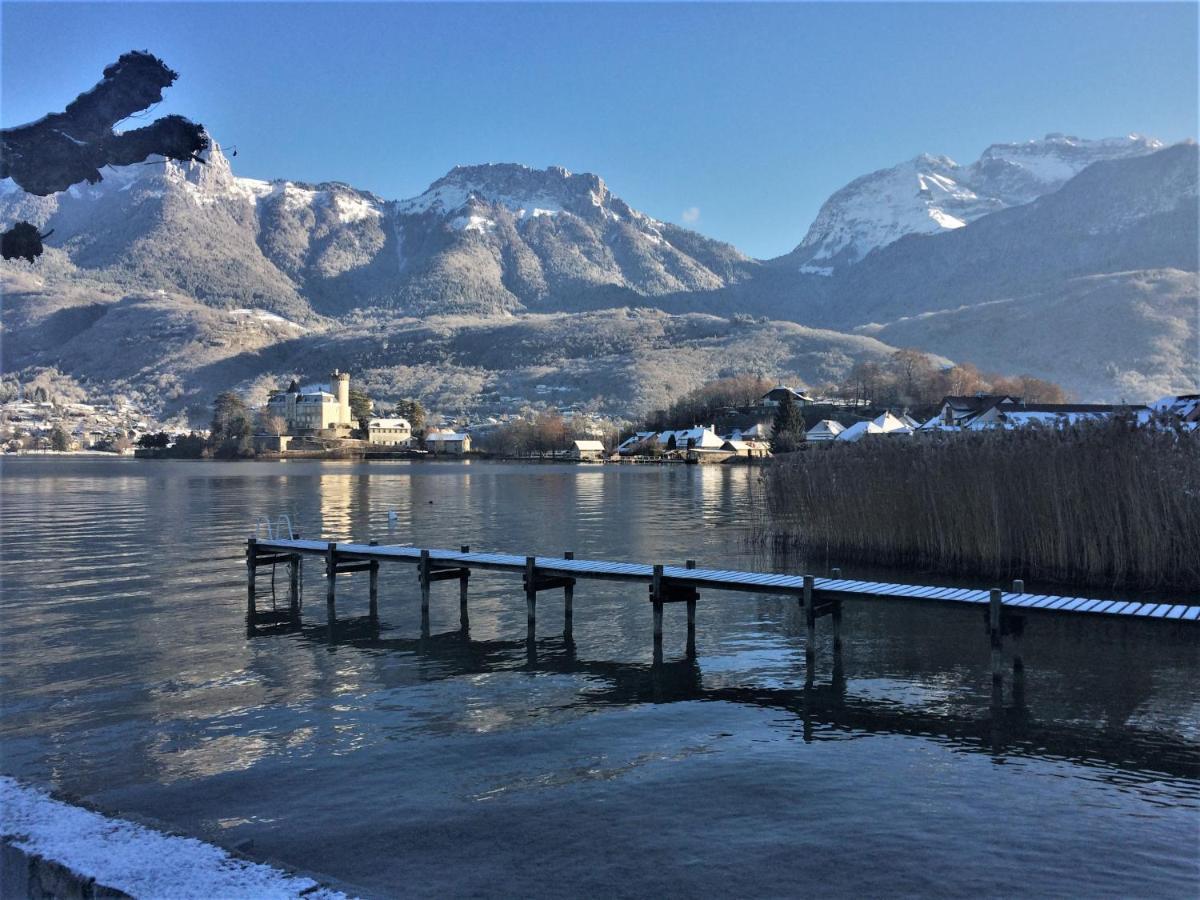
(340, 383)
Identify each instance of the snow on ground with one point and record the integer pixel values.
(473, 223)
(263, 316)
(135, 859)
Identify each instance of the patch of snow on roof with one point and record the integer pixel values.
(135, 859)
(858, 430)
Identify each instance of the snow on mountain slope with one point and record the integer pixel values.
(932, 194)
(503, 236)
(525, 194)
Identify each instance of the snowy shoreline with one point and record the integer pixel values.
(121, 855)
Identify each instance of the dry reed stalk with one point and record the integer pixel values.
(1098, 504)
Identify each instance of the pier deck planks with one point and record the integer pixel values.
(755, 582)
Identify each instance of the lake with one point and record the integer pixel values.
(477, 763)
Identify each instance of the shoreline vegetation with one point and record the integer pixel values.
(1103, 505)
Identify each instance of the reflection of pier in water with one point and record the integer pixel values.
(825, 706)
(1005, 612)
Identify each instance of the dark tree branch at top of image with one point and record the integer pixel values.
(65, 148)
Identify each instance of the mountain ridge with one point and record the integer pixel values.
(243, 276)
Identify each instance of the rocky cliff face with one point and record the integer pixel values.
(483, 239)
(499, 238)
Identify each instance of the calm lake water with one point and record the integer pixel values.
(477, 763)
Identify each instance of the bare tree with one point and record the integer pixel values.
(65, 148)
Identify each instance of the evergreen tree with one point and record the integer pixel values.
(232, 425)
(59, 439)
(414, 412)
(787, 432)
(360, 409)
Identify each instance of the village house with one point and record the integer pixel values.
(825, 430)
(887, 423)
(632, 444)
(695, 438)
(987, 411)
(1182, 409)
(760, 431)
(774, 397)
(750, 449)
(959, 411)
(587, 450)
(448, 443)
(389, 432)
(1019, 415)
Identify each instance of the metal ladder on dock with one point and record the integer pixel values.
(278, 529)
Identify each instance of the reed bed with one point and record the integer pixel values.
(1106, 504)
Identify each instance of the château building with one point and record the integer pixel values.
(318, 409)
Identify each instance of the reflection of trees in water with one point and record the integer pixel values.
(821, 709)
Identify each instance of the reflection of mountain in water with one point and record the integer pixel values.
(826, 710)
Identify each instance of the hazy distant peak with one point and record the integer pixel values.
(929, 194)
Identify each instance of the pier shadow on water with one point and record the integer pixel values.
(826, 707)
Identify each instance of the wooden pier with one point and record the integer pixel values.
(1005, 612)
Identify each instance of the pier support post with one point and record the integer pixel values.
(464, 618)
(568, 601)
(836, 615)
(294, 586)
(810, 623)
(423, 575)
(251, 574)
(531, 591)
(996, 641)
(330, 583)
(835, 573)
(1015, 635)
(691, 616)
(656, 599)
(373, 602)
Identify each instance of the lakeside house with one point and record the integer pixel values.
(632, 444)
(825, 430)
(395, 432)
(859, 430)
(587, 451)
(887, 423)
(1183, 409)
(959, 411)
(1020, 415)
(750, 449)
(695, 438)
(987, 411)
(448, 443)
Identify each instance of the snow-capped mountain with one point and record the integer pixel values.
(176, 280)
(481, 239)
(932, 194)
(514, 236)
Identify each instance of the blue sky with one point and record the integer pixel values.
(736, 119)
